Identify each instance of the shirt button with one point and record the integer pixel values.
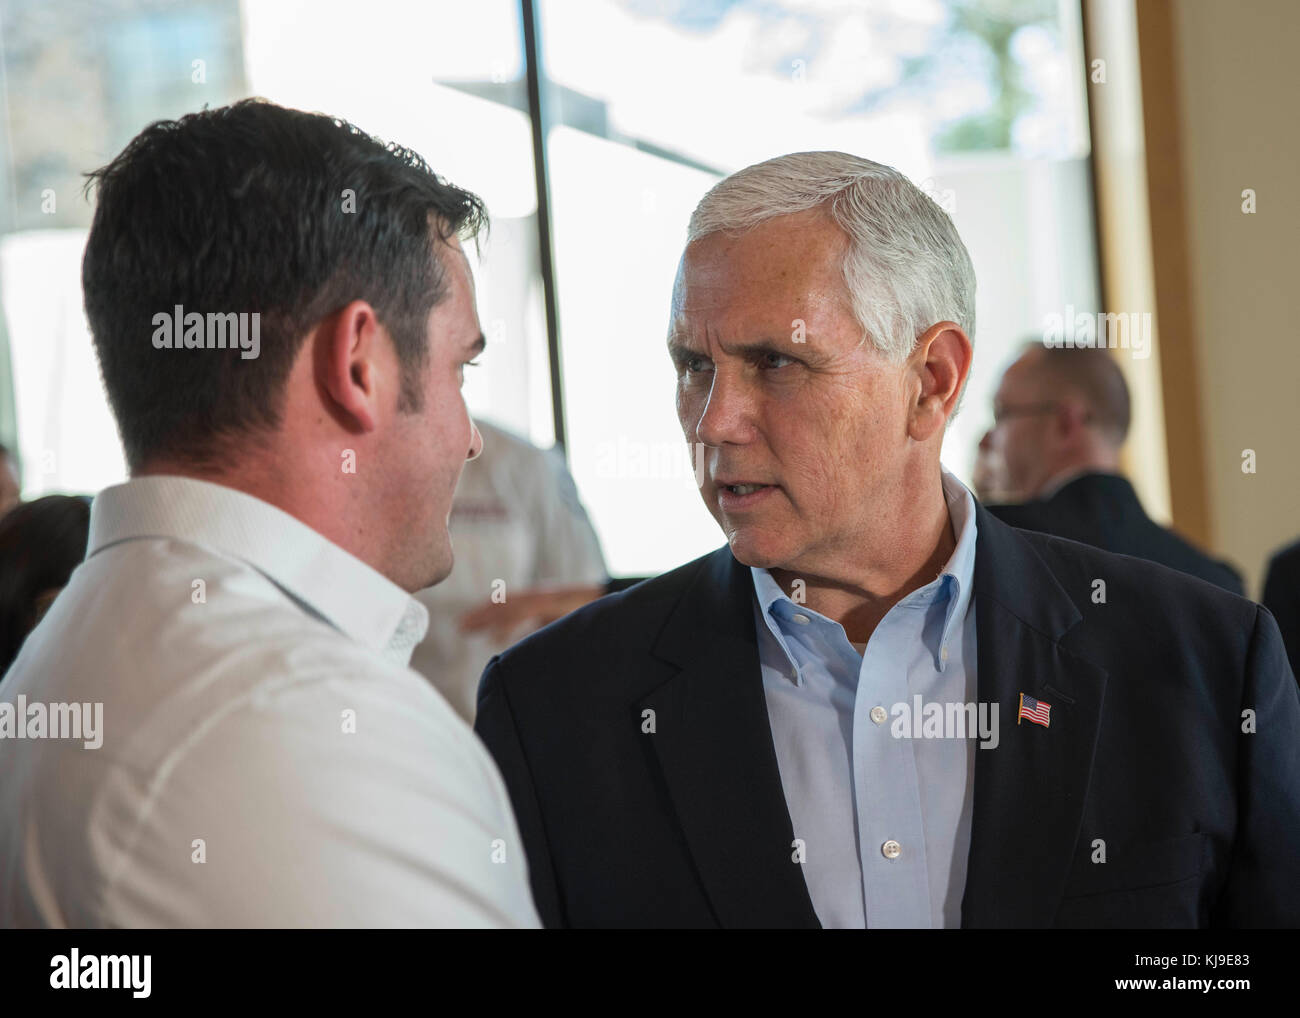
(803, 620)
(891, 849)
(878, 715)
(943, 654)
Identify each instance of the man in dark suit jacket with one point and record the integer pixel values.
(688, 826)
(673, 761)
(1061, 415)
(1282, 598)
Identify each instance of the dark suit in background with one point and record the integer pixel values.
(1103, 510)
(1282, 598)
(688, 826)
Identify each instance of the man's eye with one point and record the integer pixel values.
(694, 365)
(776, 360)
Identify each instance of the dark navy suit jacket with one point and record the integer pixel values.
(688, 826)
(1282, 598)
(1103, 510)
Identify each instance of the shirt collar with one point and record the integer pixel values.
(350, 595)
(955, 581)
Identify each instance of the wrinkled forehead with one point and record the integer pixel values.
(789, 267)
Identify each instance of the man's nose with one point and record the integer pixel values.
(475, 442)
(986, 443)
(724, 418)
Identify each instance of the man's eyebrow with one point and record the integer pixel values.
(477, 347)
(678, 348)
(759, 347)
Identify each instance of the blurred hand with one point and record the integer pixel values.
(527, 610)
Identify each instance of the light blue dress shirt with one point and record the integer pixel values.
(883, 821)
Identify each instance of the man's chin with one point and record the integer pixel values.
(758, 550)
(433, 579)
(443, 569)
(434, 572)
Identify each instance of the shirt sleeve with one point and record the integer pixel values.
(356, 802)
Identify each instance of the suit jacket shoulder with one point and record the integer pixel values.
(1154, 597)
(623, 626)
(1103, 510)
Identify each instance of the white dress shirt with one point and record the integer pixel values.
(268, 758)
(516, 520)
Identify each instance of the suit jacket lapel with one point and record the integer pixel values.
(1030, 790)
(714, 746)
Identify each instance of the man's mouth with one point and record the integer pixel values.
(742, 495)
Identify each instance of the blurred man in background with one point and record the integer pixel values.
(1061, 415)
(526, 554)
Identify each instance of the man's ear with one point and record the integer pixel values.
(938, 366)
(350, 349)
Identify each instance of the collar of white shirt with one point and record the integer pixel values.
(957, 579)
(316, 573)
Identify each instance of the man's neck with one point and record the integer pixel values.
(282, 486)
(913, 555)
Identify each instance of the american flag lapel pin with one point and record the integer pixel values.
(1037, 711)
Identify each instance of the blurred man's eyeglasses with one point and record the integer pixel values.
(1002, 413)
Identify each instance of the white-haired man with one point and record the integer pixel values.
(785, 732)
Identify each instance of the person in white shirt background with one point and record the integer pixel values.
(526, 554)
(216, 724)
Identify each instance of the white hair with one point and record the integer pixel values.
(905, 269)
